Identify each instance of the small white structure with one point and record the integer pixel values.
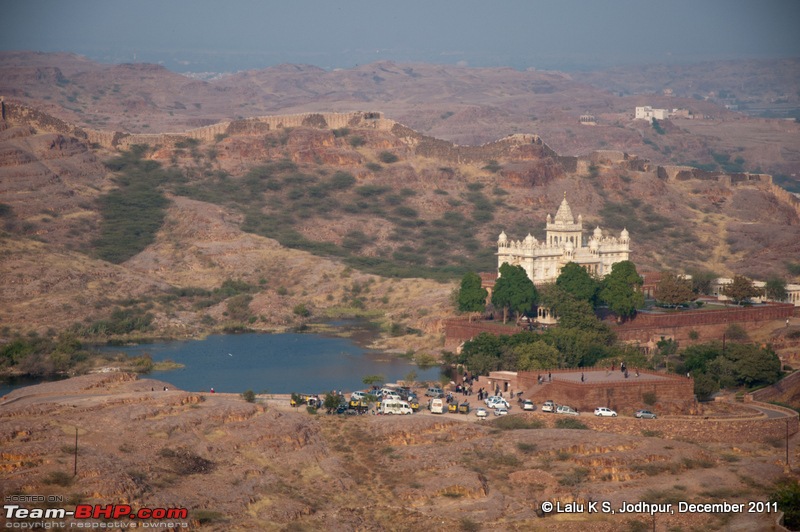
(564, 243)
(792, 291)
(648, 113)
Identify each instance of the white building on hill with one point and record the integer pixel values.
(648, 113)
(564, 243)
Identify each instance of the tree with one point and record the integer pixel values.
(514, 290)
(331, 402)
(574, 279)
(787, 495)
(741, 290)
(701, 281)
(535, 355)
(369, 380)
(674, 290)
(775, 289)
(482, 353)
(471, 296)
(621, 289)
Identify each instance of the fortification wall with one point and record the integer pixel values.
(521, 147)
(20, 114)
(765, 312)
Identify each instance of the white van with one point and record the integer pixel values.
(437, 406)
(394, 406)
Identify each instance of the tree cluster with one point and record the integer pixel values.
(716, 365)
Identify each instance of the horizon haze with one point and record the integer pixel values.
(204, 35)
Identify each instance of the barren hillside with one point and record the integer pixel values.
(237, 466)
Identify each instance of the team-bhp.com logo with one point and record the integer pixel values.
(120, 512)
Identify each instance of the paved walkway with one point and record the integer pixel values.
(595, 376)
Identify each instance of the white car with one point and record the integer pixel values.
(549, 406)
(605, 412)
(528, 405)
(500, 412)
(481, 413)
(358, 396)
(568, 410)
(495, 402)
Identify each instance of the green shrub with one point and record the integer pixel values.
(388, 157)
(356, 141)
(249, 396)
(570, 423)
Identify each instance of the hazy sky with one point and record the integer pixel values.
(567, 34)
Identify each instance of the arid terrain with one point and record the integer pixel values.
(267, 466)
(444, 207)
(123, 219)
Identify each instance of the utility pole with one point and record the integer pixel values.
(75, 468)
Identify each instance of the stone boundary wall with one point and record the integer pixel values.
(673, 394)
(458, 331)
(17, 113)
(696, 429)
(766, 312)
(709, 323)
(518, 146)
(38, 119)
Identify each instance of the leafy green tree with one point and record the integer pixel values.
(514, 290)
(331, 402)
(471, 295)
(575, 280)
(701, 281)
(753, 365)
(787, 495)
(369, 380)
(621, 289)
(535, 355)
(482, 353)
(704, 386)
(674, 290)
(741, 290)
(775, 289)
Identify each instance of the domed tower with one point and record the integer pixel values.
(563, 228)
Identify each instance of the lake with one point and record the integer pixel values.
(271, 363)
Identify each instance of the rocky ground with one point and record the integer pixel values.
(266, 466)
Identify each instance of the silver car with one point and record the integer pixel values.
(568, 410)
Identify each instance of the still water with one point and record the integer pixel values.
(271, 363)
(275, 363)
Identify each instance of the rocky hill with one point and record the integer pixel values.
(464, 105)
(329, 217)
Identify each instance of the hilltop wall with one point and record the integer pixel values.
(517, 146)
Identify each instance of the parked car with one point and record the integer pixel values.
(500, 411)
(644, 414)
(549, 406)
(528, 405)
(496, 401)
(434, 392)
(568, 410)
(605, 412)
(358, 395)
(481, 413)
